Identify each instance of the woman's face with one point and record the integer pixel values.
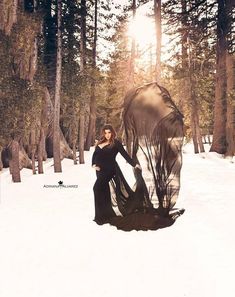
(107, 134)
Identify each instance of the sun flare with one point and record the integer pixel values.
(143, 30)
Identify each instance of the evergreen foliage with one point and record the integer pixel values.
(28, 62)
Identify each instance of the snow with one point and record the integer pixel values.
(50, 247)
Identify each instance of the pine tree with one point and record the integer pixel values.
(56, 130)
(158, 26)
(92, 116)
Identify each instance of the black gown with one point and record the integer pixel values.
(154, 127)
(105, 159)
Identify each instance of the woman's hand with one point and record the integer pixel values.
(97, 168)
(138, 166)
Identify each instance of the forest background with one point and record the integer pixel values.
(67, 65)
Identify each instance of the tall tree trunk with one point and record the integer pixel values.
(188, 83)
(158, 26)
(151, 63)
(184, 34)
(184, 56)
(230, 71)
(131, 64)
(194, 131)
(14, 161)
(199, 135)
(74, 152)
(72, 135)
(219, 129)
(33, 60)
(41, 149)
(42, 154)
(92, 117)
(195, 126)
(73, 128)
(33, 149)
(230, 131)
(131, 71)
(49, 51)
(1, 164)
(82, 67)
(81, 133)
(56, 126)
(65, 150)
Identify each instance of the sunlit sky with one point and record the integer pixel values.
(143, 30)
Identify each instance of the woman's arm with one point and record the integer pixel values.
(124, 153)
(97, 168)
(93, 158)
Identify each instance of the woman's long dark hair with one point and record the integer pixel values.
(102, 136)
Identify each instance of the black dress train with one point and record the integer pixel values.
(154, 127)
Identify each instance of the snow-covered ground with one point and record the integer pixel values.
(50, 247)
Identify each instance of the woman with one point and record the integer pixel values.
(103, 160)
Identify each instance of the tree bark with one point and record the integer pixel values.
(41, 149)
(25, 45)
(33, 60)
(14, 161)
(8, 15)
(49, 51)
(33, 149)
(219, 129)
(187, 67)
(72, 136)
(83, 74)
(158, 26)
(230, 70)
(1, 164)
(25, 161)
(92, 119)
(74, 154)
(56, 125)
(199, 136)
(81, 133)
(65, 150)
(184, 56)
(42, 154)
(131, 71)
(195, 125)
(131, 64)
(92, 116)
(184, 34)
(230, 131)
